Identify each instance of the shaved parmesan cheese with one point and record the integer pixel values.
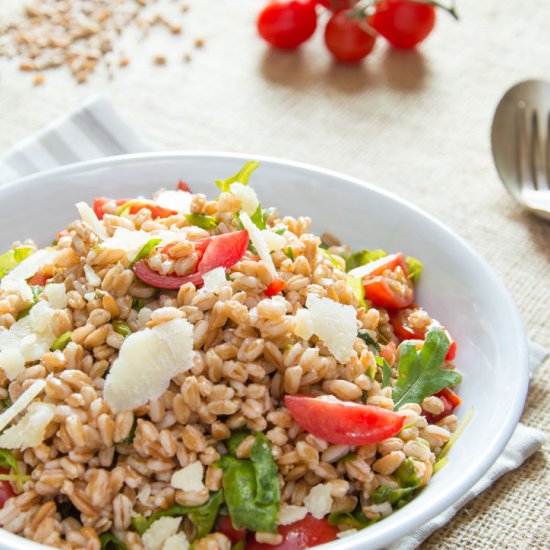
(40, 316)
(189, 478)
(57, 295)
(214, 280)
(91, 276)
(22, 403)
(176, 542)
(19, 287)
(146, 363)
(30, 430)
(363, 270)
(144, 316)
(247, 196)
(29, 266)
(88, 216)
(319, 501)
(303, 324)
(335, 324)
(160, 530)
(273, 241)
(259, 243)
(288, 513)
(12, 362)
(129, 241)
(180, 201)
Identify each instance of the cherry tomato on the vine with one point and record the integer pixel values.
(336, 5)
(286, 24)
(346, 37)
(404, 23)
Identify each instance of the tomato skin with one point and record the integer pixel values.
(380, 294)
(225, 526)
(346, 40)
(403, 23)
(220, 251)
(156, 210)
(336, 5)
(389, 353)
(182, 186)
(99, 205)
(285, 24)
(299, 535)
(274, 287)
(450, 400)
(39, 279)
(343, 422)
(6, 490)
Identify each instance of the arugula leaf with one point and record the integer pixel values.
(111, 542)
(289, 253)
(387, 494)
(9, 462)
(5, 404)
(240, 489)
(121, 327)
(369, 340)
(354, 520)
(145, 250)
(406, 474)
(60, 343)
(203, 516)
(358, 289)
(138, 304)
(259, 218)
(414, 268)
(202, 221)
(12, 258)
(237, 437)
(363, 257)
(386, 371)
(241, 176)
(267, 479)
(419, 373)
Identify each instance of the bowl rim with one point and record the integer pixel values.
(406, 520)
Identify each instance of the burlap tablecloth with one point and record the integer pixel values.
(415, 123)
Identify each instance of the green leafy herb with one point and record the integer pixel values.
(121, 327)
(386, 371)
(240, 489)
(267, 479)
(280, 231)
(126, 207)
(12, 258)
(202, 221)
(387, 494)
(368, 339)
(5, 404)
(60, 343)
(242, 176)
(371, 372)
(353, 520)
(335, 261)
(111, 542)
(145, 250)
(363, 257)
(237, 437)
(132, 433)
(203, 516)
(407, 475)
(289, 253)
(260, 217)
(138, 304)
(419, 373)
(414, 267)
(8, 462)
(358, 289)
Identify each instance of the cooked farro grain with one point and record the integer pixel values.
(102, 469)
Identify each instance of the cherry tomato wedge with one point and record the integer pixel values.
(388, 353)
(134, 207)
(286, 24)
(99, 205)
(299, 535)
(404, 23)
(39, 279)
(346, 39)
(6, 490)
(220, 251)
(450, 400)
(182, 186)
(342, 422)
(274, 287)
(225, 526)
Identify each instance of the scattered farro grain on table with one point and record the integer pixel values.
(188, 380)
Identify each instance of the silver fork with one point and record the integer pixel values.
(533, 157)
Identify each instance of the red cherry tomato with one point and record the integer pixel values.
(182, 186)
(346, 39)
(404, 23)
(299, 535)
(274, 287)
(388, 353)
(343, 422)
(156, 210)
(225, 526)
(39, 279)
(220, 251)
(287, 24)
(6, 490)
(450, 400)
(336, 5)
(99, 205)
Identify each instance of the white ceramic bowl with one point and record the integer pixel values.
(457, 287)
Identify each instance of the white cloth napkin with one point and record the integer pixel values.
(95, 129)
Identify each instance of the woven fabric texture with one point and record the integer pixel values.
(415, 123)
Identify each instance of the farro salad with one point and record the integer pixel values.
(179, 372)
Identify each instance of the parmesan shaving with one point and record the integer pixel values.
(273, 241)
(12, 362)
(146, 363)
(57, 295)
(88, 217)
(91, 276)
(247, 196)
(176, 542)
(30, 430)
(289, 513)
(179, 200)
(160, 530)
(214, 280)
(22, 403)
(303, 324)
(19, 287)
(319, 501)
(189, 478)
(29, 266)
(259, 243)
(363, 270)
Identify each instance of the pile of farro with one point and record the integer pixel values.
(183, 371)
